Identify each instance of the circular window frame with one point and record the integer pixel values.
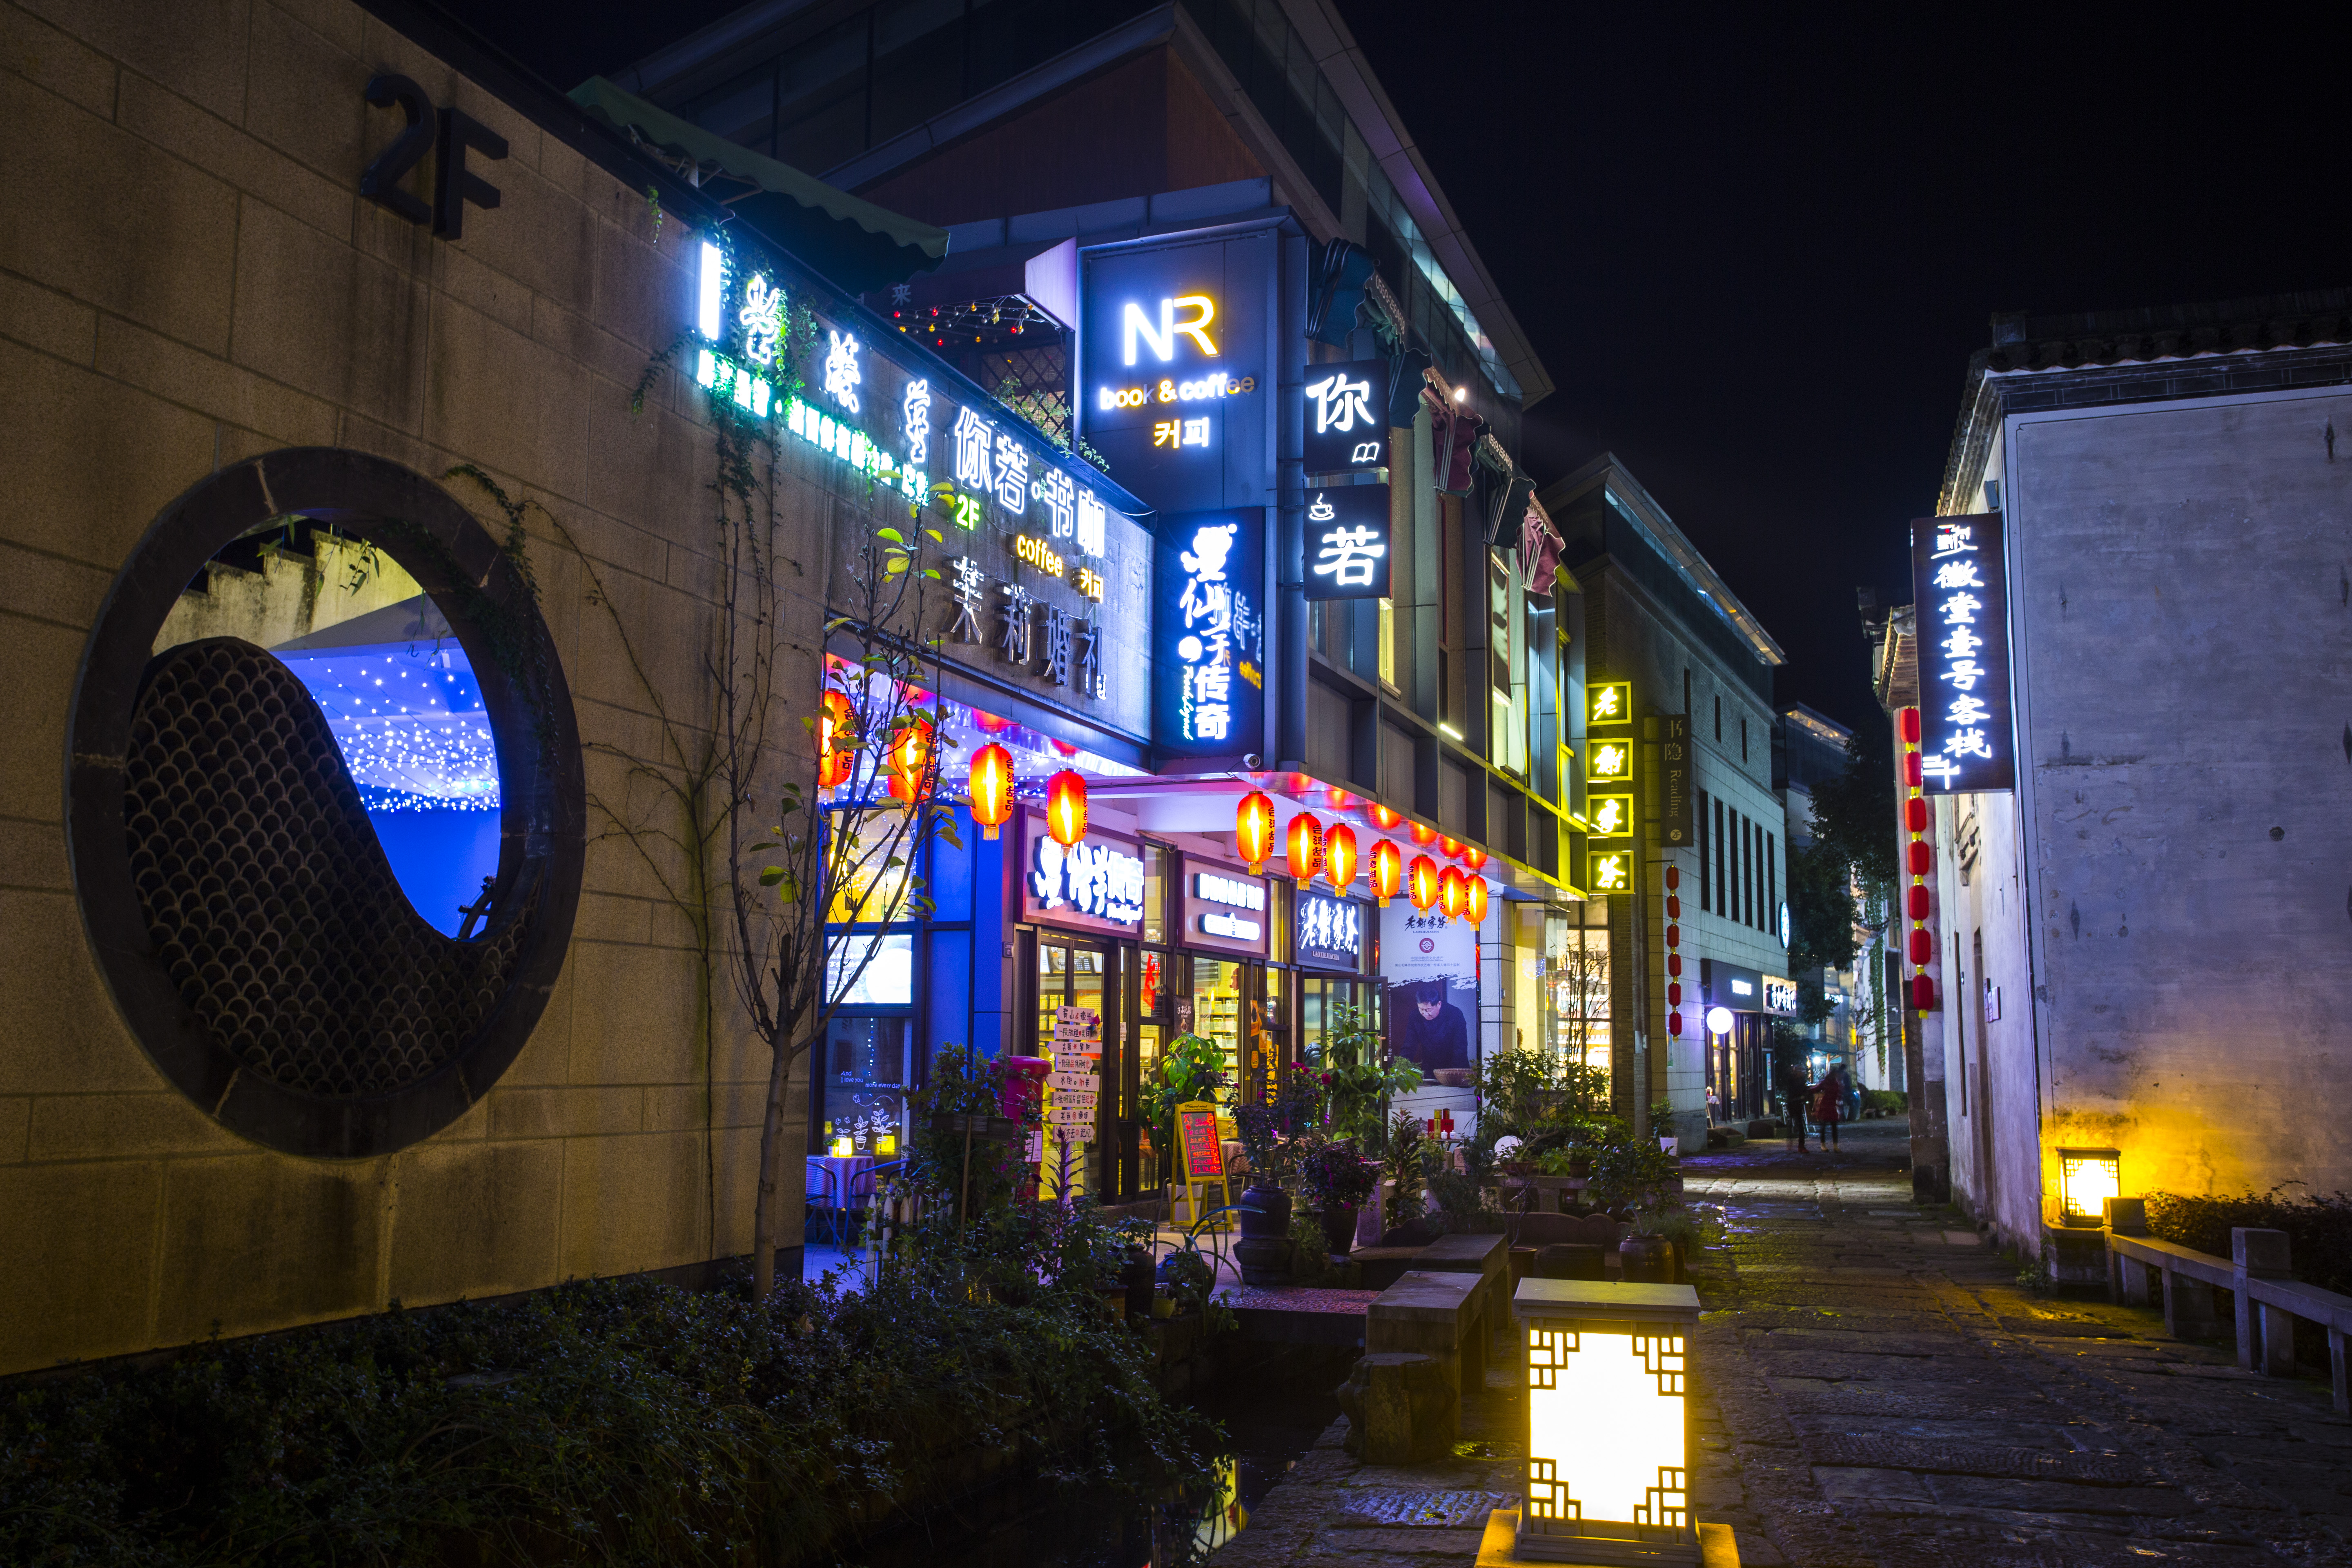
(542, 844)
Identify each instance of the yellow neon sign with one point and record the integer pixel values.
(1134, 324)
(1037, 553)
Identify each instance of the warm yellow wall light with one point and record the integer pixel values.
(2087, 1179)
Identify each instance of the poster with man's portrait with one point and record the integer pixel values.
(1430, 965)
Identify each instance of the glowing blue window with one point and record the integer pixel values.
(401, 698)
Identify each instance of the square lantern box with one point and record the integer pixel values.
(1607, 1475)
(2087, 1179)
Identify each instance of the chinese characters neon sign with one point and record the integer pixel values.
(1966, 744)
(1347, 542)
(1207, 664)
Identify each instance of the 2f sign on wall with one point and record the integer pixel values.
(1965, 742)
(453, 131)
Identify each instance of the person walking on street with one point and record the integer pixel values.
(1795, 1093)
(1829, 1106)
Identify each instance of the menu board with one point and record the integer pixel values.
(1076, 1078)
(1204, 1155)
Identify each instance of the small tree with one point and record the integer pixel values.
(844, 857)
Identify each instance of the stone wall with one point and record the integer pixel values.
(189, 279)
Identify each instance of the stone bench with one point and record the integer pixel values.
(1427, 1313)
(1489, 1258)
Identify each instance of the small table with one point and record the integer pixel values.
(852, 1184)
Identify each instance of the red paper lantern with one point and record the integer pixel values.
(1674, 965)
(1305, 847)
(1423, 834)
(1388, 871)
(1450, 848)
(991, 788)
(1923, 859)
(1923, 994)
(1915, 814)
(1673, 936)
(910, 759)
(1340, 799)
(1674, 1024)
(1913, 770)
(1674, 993)
(1674, 877)
(1908, 720)
(835, 720)
(1065, 807)
(1451, 894)
(1476, 889)
(1923, 948)
(1254, 830)
(1339, 856)
(1382, 817)
(1918, 902)
(1474, 858)
(1673, 908)
(1422, 878)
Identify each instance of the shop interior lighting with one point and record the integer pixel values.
(409, 721)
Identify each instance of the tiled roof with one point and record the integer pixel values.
(2316, 319)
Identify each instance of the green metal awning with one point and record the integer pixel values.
(853, 244)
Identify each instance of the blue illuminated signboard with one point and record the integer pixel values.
(1175, 356)
(1346, 416)
(1348, 541)
(1965, 743)
(1208, 626)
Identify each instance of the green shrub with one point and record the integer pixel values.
(1884, 1102)
(604, 1422)
(2318, 1228)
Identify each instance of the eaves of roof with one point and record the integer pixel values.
(1343, 64)
(1658, 530)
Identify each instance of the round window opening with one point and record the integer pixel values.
(325, 802)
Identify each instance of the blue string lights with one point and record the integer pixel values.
(410, 722)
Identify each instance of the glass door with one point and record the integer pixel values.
(1076, 1034)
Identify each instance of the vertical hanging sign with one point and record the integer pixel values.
(1968, 742)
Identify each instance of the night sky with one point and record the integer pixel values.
(1755, 246)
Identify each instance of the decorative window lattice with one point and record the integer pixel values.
(1661, 1355)
(267, 898)
(1666, 1506)
(1547, 1351)
(1547, 1498)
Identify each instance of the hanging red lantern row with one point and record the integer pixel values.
(1674, 954)
(1382, 817)
(1423, 834)
(1474, 858)
(1919, 859)
(1450, 848)
(1475, 890)
(834, 721)
(1339, 856)
(1341, 799)
(910, 759)
(991, 788)
(1305, 849)
(1451, 896)
(1065, 807)
(1388, 871)
(1254, 830)
(1422, 877)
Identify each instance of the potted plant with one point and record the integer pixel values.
(1270, 1135)
(1337, 1179)
(1646, 1256)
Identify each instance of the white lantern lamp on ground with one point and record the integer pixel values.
(1608, 1466)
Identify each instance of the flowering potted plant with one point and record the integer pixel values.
(1336, 1180)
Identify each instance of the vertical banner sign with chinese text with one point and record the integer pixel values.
(1967, 742)
(1347, 542)
(1347, 417)
(1609, 777)
(1207, 622)
(1675, 782)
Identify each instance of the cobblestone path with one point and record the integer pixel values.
(1875, 1390)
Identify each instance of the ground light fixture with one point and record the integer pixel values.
(1719, 1020)
(2087, 1179)
(1254, 830)
(1609, 1398)
(1339, 856)
(1065, 807)
(1388, 871)
(991, 788)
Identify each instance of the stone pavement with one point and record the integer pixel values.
(1875, 1390)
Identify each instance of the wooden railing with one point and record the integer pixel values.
(2142, 1270)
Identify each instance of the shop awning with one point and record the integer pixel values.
(853, 244)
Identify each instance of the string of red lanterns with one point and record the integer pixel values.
(1254, 830)
(1421, 877)
(1339, 856)
(910, 759)
(1388, 871)
(1065, 807)
(1673, 957)
(991, 788)
(1451, 896)
(1475, 890)
(1921, 861)
(1305, 852)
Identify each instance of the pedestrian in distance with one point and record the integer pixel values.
(1795, 1093)
(1829, 1106)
